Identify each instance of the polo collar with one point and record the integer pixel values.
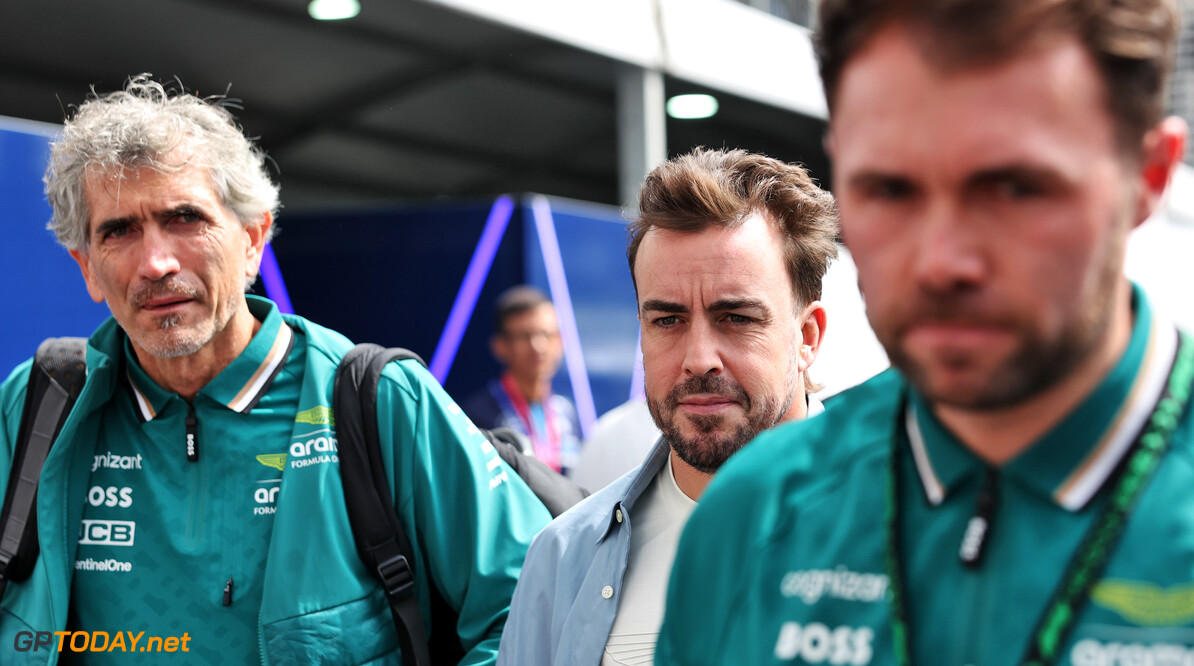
(240, 385)
(1071, 462)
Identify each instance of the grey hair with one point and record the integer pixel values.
(145, 126)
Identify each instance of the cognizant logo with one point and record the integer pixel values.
(112, 461)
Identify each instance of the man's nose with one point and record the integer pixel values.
(702, 352)
(541, 340)
(159, 257)
(948, 250)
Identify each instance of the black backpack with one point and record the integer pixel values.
(55, 381)
(380, 538)
(57, 378)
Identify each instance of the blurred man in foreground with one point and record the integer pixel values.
(1018, 491)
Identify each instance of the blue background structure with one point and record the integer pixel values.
(43, 293)
(391, 277)
(386, 276)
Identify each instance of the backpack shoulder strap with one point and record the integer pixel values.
(55, 381)
(380, 538)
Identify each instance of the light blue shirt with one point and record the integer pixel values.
(567, 596)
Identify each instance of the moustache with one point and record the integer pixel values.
(164, 288)
(953, 309)
(708, 385)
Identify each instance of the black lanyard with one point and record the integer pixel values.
(1091, 557)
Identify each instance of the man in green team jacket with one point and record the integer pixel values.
(1018, 488)
(194, 494)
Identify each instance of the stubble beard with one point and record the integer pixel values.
(715, 441)
(173, 338)
(1038, 364)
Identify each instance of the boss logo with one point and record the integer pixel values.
(108, 532)
(110, 496)
(816, 643)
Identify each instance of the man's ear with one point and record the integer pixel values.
(256, 246)
(497, 345)
(812, 332)
(1162, 150)
(83, 258)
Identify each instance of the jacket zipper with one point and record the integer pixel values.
(261, 639)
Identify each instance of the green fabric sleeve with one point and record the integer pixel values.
(12, 402)
(472, 516)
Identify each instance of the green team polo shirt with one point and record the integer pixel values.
(162, 535)
(783, 560)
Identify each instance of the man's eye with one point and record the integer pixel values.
(114, 232)
(1016, 188)
(738, 319)
(188, 216)
(892, 189)
(666, 321)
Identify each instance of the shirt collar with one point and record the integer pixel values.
(657, 459)
(1071, 462)
(238, 386)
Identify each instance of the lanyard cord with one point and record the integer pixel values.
(547, 447)
(1101, 538)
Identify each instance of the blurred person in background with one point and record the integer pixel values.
(527, 343)
(727, 258)
(1017, 489)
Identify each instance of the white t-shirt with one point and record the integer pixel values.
(659, 518)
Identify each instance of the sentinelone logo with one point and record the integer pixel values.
(99, 641)
(103, 565)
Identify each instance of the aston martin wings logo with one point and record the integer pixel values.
(275, 460)
(317, 415)
(1146, 604)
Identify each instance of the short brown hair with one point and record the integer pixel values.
(1131, 42)
(721, 188)
(515, 301)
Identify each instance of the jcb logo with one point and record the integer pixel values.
(108, 532)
